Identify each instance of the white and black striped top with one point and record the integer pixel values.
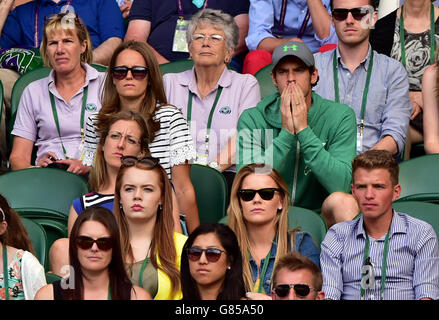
(412, 262)
(172, 144)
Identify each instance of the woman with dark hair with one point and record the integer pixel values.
(134, 82)
(143, 210)
(24, 275)
(97, 268)
(211, 264)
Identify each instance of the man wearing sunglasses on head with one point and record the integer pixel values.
(309, 140)
(375, 86)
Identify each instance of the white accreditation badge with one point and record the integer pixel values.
(359, 139)
(180, 43)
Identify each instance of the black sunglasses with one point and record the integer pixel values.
(283, 290)
(341, 14)
(212, 254)
(86, 243)
(265, 194)
(129, 161)
(121, 72)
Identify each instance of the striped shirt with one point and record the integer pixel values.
(172, 144)
(93, 199)
(412, 262)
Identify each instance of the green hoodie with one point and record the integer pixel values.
(315, 162)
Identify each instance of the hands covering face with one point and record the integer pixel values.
(294, 111)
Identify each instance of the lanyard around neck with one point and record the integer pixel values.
(278, 28)
(383, 266)
(402, 35)
(5, 272)
(209, 120)
(142, 269)
(109, 296)
(55, 117)
(259, 284)
(37, 16)
(366, 86)
(180, 8)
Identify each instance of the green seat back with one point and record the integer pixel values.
(305, 219)
(35, 213)
(176, 66)
(265, 81)
(309, 221)
(419, 178)
(43, 188)
(211, 192)
(18, 89)
(51, 277)
(55, 229)
(37, 236)
(428, 212)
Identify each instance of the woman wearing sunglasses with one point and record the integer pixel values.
(410, 34)
(123, 134)
(134, 82)
(258, 214)
(21, 273)
(97, 268)
(211, 264)
(211, 96)
(52, 111)
(143, 210)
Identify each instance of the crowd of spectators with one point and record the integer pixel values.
(353, 94)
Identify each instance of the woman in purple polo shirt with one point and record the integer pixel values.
(53, 110)
(211, 96)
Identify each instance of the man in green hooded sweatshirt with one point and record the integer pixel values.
(309, 140)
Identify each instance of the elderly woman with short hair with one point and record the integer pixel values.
(211, 96)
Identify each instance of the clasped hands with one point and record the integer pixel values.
(293, 109)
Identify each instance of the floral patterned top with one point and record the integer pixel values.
(417, 48)
(15, 281)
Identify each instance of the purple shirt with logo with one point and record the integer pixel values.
(35, 120)
(240, 92)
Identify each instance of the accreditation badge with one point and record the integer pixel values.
(180, 43)
(202, 159)
(359, 139)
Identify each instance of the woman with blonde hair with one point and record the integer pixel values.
(143, 210)
(258, 214)
(52, 111)
(134, 82)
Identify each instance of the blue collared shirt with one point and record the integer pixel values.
(388, 105)
(412, 263)
(102, 18)
(261, 21)
(303, 243)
